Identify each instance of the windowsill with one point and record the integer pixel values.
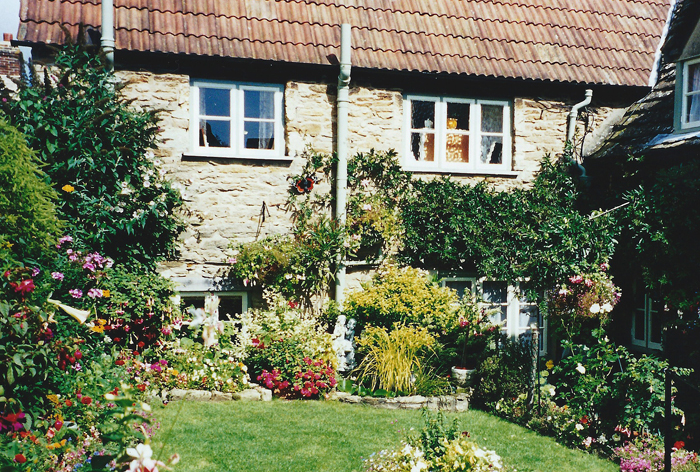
(475, 172)
(215, 155)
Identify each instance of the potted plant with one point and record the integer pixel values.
(472, 341)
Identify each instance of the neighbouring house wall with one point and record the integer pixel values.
(225, 196)
(10, 64)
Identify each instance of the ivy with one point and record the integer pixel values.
(536, 233)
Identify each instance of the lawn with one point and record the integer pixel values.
(314, 436)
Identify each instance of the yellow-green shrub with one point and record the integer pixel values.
(405, 295)
(390, 358)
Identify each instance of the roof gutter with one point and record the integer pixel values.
(341, 181)
(107, 39)
(571, 126)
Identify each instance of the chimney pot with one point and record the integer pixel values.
(7, 37)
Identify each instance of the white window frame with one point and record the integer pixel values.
(684, 123)
(513, 306)
(440, 164)
(184, 294)
(237, 138)
(647, 310)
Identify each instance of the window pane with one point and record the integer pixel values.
(528, 316)
(495, 292)
(214, 102)
(461, 286)
(693, 84)
(214, 133)
(457, 148)
(259, 104)
(491, 150)
(693, 109)
(655, 328)
(492, 118)
(639, 325)
(259, 134)
(229, 305)
(423, 146)
(458, 116)
(422, 114)
(499, 314)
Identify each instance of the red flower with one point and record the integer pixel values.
(678, 445)
(24, 287)
(20, 459)
(86, 400)
(119, 362)
(141, 387)
(58, 425)
(69, 403)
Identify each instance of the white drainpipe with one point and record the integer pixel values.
(342, 148)
(107, 40)
(573, 114)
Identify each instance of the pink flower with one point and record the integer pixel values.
(57, 276)
(463, 322)
(89, 266)
(576, 279)
(75, 293)
(95, 293)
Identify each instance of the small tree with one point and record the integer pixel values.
(97, 152)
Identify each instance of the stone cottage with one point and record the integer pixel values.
(473, 88)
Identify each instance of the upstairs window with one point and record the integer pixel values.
(690, 103)
(457, 135)
(236, 120)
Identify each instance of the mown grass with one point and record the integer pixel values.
(313, 436)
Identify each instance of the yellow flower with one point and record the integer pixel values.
(98, 329)
(550, 364)
(68, 188)
(101, 322)
(53, 399)
(7, 244)
(105, 293)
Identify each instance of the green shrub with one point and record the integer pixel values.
(505, 374)
(404, 295)
(98, 154)
(390, 360)
(29, 226)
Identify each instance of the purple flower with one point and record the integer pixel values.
(35, 271)
(57, 275)
(89, 266)
(75, 293)
(95, 293)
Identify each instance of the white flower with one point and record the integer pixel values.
(595, 308)
(140, 452)
(367, 207)
(581, 369)
(579, 427)
(606, 308)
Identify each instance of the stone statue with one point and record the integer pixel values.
(343, 335)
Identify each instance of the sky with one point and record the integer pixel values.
(9, 17)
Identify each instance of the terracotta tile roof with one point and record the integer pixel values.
(591, 41)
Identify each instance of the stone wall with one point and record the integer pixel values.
(225, 196)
